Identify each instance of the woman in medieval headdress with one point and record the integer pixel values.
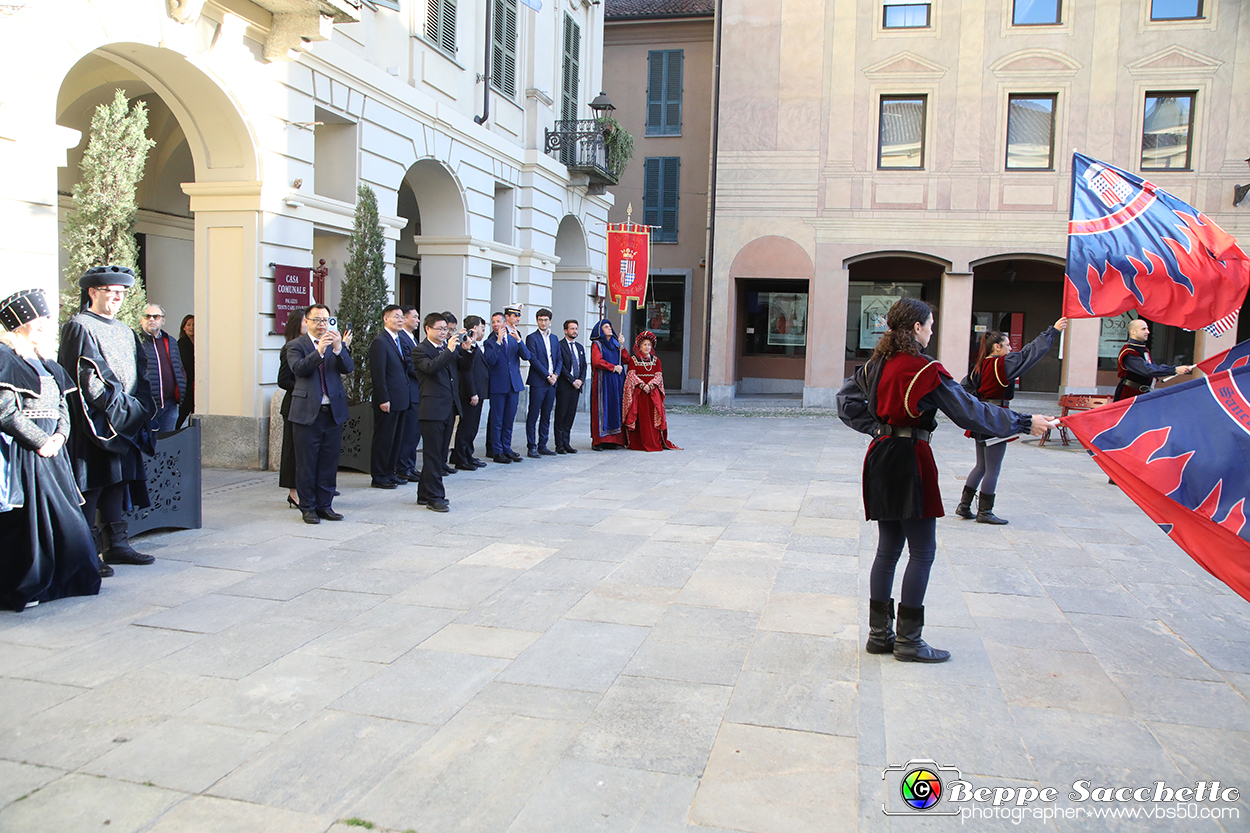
(607, 387)
(646, 426)
(46, 548)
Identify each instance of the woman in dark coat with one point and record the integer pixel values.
(295, 327)
(895, 397)
(186, 352)
(46, 548)
(608, 358)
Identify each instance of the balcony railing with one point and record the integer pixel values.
(579, 144)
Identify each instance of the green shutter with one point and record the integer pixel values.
(651, 172)
(572, 68)
(440, 24)
(503, 47)
(664, 68)
(660, 191)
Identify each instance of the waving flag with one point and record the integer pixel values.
(1132, 245)
(1236, 356)
(1183, 455)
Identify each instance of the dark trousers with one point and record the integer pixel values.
(410, 438)
(317, 447)
(466, 432)
(451, 434)
(502, 415)
(538, 415)
(567, 397)
(920, 535)
(388, 436)
(434, 440)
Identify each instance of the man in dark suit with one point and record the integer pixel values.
(569, 386)
(545, 366)
(388, 370)
(504, 352)
(318, 411)
(406, 467)
(474, 391)
(435, 363)
(452, 321)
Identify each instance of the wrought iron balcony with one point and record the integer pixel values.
(579, 144)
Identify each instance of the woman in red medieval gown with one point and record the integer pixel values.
(646, 427)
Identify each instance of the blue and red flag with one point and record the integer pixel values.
(1182, 454)
(1132, 245)
(1236, 356)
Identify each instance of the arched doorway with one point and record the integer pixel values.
(571, 283)
(432, 253)
(199, 223)
(772, 279)
(1021, 295)
(876, 281)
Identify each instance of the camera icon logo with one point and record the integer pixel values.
(917, 786)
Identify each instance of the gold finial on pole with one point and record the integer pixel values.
(629, 212)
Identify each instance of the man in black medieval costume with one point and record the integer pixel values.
(111, 410)
(46, 550)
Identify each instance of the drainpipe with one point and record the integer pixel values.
(711, 223)
(485, 76)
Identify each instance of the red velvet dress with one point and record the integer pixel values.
(646, 425)
(900, 476)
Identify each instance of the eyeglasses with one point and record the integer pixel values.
(318, 320)
(118, 292)
(153, 317)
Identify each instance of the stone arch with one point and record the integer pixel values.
(571, 283)
(431, 257)
(772, 256)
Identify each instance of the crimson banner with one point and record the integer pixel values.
(629, 257)
(292, 289)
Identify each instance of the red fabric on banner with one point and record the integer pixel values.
(1149, 455)
(629, 251)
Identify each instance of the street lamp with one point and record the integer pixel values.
(602, 103)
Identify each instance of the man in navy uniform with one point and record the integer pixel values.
(545, 366)
(504, 352)
(1137, 372)
(388, 362)
(435, 359)
(569, 386)
(318, 411)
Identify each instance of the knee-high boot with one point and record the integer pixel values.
(909, 646)
(964, 509)
(119, 550)
(880, 626)
(985, 511)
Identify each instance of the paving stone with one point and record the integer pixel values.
(586, 656)
(582, 796)
(656, 725)
(737, 583)
(207, 813)
(1056, 679)
(485, 642)
(502, 554)
(523, 608)
(208, 614)
(1188, 702)
(777, 781)
(460, 586)
(537, 701)
(715, 664)
(325, 764)
(246, 647)
(424, 687)
(808, 704)
(84, 802)
(1059, 734)
(381, 634)
(181, 755)
(1110, 600)
(811, 613)
(19, 780)
(1141, 646)
(804, 655)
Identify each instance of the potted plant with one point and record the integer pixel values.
(619, 144)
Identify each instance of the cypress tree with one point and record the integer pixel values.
(364, 292)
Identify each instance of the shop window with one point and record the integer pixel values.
(1168, 345)
(1167, 131)
(900, 137)
(905, 14)
(869, 301)
(775, 315)
(1036, 12)
(1175, 9)
(1031, 133)
(664, 67)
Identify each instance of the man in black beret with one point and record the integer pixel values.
(111, 411)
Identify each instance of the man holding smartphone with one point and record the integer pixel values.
(434, 361)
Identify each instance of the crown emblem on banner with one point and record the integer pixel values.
(629, 253)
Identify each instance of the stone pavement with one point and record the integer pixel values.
(622, 642)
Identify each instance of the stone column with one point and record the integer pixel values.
(826, 329)
(720, 382)
(954, 327)
(1080, 356)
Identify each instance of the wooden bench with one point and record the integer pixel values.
(1072, 403)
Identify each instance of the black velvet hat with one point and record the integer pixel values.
(23, 307)
(107, 276)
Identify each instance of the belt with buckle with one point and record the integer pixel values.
(887, 430)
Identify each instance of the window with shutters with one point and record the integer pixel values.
(661, 175)
(664, 92)
(440, 25)
(503, 47)
(570, 80)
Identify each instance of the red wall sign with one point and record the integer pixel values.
(292, 290)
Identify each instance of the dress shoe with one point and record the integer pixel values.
(481, 464)
(546, 452)
(533, 452)
(560, 450)
(516, 458)
(568, 449)
(337, 493)
(502, 458)
(329, 515)
(414, 477)
(310, 517)
(437, 505)
(105, 570)
(463, 467)
(383, 484)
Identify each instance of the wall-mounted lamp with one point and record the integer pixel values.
(601, 103)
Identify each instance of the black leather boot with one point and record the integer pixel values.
(119, 550)
(985, 511)
(964, 509)
(105, 570)
(908, 646)
(880, 626)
